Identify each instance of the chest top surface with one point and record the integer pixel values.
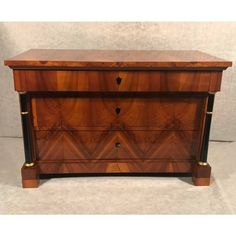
(123, 59)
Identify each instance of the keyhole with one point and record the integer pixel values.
(118, 80)
(118, 145)
(118, 110)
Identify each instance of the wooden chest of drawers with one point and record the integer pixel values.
(91, 111)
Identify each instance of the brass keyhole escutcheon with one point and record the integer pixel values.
(118, 80)
(118, 145)
(118, 110)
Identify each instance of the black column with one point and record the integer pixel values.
(206, 134)
(26, 128)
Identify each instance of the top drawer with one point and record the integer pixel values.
(117, 81)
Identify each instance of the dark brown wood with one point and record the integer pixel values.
(116, 59)
(92, 111)
(206, 134)
(25, 119)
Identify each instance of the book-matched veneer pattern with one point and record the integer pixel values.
(117, 81)
(116, 111)
(116, 145)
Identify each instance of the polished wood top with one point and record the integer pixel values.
(115, 59)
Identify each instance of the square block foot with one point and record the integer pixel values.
(201, 174)
(30, 176)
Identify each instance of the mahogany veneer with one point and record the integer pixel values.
(104, 111)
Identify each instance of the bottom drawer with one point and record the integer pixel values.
(109, 166)
(116, 145)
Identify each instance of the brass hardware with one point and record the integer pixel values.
(22, 92)
(209, 113)
(29, 164)
(24, 113)
(201, 163)
(118, 145)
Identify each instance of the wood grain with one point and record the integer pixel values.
(116, 111)
(115, 59)
(156, 112)
(116, 167)
(106, 81)
(116, 145)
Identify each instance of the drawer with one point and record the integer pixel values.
(117, 81)
(116, 145)
(163, 112)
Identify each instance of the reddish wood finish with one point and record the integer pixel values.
(32, 183)
(116, 145)
(106, 81)
(116, 59)
(201, 175)
(156, 112)
(126, 166)
(30, 176)
(97, 111)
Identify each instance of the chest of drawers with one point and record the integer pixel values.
(103, 111)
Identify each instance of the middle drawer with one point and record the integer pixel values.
(173, 112)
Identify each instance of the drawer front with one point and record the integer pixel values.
(164, 112)
(117, 81)
(116, 145)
